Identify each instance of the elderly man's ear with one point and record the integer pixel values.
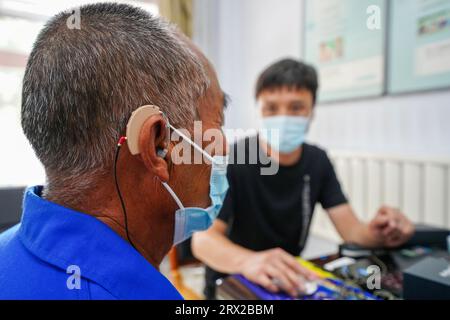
(153, 137)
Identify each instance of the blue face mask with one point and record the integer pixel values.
(192, 219)
(284, 133)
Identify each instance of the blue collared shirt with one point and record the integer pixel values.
(58, 253)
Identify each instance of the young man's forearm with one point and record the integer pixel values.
(218, 252)
(361, 235)
(350, 228)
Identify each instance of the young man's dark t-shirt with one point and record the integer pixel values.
(268, 211)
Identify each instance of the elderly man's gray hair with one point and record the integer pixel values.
(81, 86)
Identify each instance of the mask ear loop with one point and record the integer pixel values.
(197, 147)
(163, 153)
(194, 145)
(174, 196)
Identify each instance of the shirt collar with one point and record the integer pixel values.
(64, 237)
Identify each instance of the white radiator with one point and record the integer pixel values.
(420, 187)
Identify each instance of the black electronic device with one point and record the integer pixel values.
(406, 257)
(429, 236)
(427, 279)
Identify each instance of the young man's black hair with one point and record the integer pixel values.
(288, 73)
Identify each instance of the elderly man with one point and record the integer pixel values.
(108, 215)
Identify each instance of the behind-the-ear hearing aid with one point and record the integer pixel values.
(134, 127)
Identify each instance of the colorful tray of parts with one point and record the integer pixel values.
(326, 289)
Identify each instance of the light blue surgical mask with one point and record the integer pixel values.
(192, 219)
(284, 133)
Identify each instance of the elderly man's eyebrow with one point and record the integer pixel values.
(226, 99)
(225, 102)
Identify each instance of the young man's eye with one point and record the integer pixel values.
(297, 107)
(270, 108)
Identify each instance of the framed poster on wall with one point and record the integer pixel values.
(419, 45)
(348, 52)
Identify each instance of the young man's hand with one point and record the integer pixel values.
(390, 227)
(276, 270)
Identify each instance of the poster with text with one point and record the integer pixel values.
(345, 41)
(419, 48)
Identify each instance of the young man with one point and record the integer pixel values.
(265, 218)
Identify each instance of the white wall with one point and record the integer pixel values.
(242, 37)
(18, 163)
